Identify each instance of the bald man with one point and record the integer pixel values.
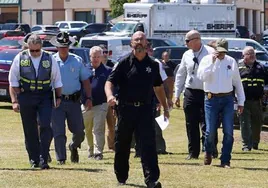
(193, 103)
(254, 77)
(136, 77)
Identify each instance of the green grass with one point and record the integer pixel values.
(248, 169)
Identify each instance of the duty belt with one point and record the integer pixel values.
(136, 104)
(73, 97)
(210, 95)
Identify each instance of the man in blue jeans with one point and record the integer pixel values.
(219, 73)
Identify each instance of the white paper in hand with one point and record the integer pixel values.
(162, 122)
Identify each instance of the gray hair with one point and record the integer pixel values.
(34, 39)
(248, 49)
(95, 49)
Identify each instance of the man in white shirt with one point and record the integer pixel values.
(32, 75)
(220, 74)
(193, 103)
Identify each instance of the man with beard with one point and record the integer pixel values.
(137, 77)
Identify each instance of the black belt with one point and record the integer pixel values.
(73, 97)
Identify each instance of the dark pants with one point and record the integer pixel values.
(31, 105)
(71, 111)
(160, 141)
(251, 123)
(140, 120)
(193, 108)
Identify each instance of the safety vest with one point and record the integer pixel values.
(253, 80)
(28, 79)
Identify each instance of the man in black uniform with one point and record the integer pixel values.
(253, 77)
(137, 77)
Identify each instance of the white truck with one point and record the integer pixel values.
(174, 19)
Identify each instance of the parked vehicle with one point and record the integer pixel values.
(242, 32)
(90, 30)
(174, 19)
(13, 26)
(175, 52)
(117, 46)
(238, 43)
(65, 25)
(45, 28)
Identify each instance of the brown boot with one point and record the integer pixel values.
(207, 159)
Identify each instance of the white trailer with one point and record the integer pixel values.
(174, 20)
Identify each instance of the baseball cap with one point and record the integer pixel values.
(222, 45)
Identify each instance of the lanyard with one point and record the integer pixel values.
(195, 59)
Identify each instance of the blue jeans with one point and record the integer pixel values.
(213, 107)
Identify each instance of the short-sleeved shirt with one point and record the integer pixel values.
(135, 79)
(73, 71)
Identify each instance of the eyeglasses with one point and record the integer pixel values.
(32, 51)
(188, 40)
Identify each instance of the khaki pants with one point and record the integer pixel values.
(94, 121)
(111, 121)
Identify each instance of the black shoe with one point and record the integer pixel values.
(74, 154)
(191, 156)
(156, 184)
(44, 166)
(61, 162)
(255, 146)
(98, 157)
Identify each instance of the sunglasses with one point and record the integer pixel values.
(38, 50)
(105, 51)
(188, 40)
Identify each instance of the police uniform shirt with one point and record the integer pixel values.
(221, 76)
(186, 74)
(135, 79)
(169, 68)
(14, 73)
(73, 71)
(253, 79)
(109, 63)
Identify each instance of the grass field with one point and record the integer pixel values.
(247, 169)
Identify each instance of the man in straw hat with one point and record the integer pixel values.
(32, 75)
(219, 73)
(73, 73)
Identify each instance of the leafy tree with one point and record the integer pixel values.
(117, 7)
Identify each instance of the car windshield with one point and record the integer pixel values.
(262, 56)
(9, 27)
(174, 53)
(6, 57)
(77, 25)
(9, 42)
(237, 55)
(123, 27)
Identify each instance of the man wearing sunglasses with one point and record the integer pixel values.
(32, 75)
(219, 73)
(186, 78)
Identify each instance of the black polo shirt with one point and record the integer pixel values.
(135, 79)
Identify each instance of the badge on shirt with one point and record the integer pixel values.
(209, 95)
(46, 64)
(148, 69)
(72, 69)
